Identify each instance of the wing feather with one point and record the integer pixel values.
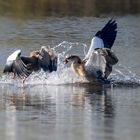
(47, 60)
(104, 38)
(101, 59)
(96, 64)
(24, 68)
(20, 68)
(108, 33)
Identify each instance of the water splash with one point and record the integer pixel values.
(124, 76)
(120, 75)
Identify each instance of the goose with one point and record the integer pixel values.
(23, 66)
(98, 62)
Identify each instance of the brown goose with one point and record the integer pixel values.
(23, 66)
(97, 64)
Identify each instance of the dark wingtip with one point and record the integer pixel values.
(7, 68)
(108, 33)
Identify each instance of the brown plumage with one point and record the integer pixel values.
(91, 71)
(32, 61)
(23, 66)
(77, 64)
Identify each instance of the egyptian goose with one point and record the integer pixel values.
(98, 62)
(23, 66)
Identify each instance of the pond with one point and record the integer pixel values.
(55, 107)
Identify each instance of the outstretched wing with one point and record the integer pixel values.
(103, 38)
(20, 68)
(47, 59)
(108, 33)
(16, 65)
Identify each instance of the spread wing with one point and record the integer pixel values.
(47, 59)
(104, 38)
(20, 68)
(16, 65)
(108, 33)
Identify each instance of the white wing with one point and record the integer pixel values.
(101, 60)
(96, 42)
(104, 38)
(14, 55)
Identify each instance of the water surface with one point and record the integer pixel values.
(47, 108)
(69, 112)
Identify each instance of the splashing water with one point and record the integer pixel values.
(124, 76)
(64, 75)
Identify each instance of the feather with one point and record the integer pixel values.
(96, 42)
(108, 33)
(98, 62)
(48, 60)
(103, 38)
(16, 65)
(20, 68)
(8, 67)
(101, 59)
(10, 60)
(14, 55)
(95, 63)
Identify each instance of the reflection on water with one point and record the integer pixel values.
(69, 112)
(63, 111)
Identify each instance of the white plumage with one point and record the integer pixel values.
(95, 62)
(14, 55)
(96, 42)
(98, 62)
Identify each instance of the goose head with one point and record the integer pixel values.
(76, 64)
(35, 54)
(73, 59)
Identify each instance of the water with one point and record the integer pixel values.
(56, 106)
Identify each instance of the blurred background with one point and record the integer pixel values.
(37, 8)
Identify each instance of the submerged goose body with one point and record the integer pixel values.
(97, 64)
(23, 66)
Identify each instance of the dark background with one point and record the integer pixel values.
(40, 8)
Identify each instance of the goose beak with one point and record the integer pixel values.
(65, 61)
